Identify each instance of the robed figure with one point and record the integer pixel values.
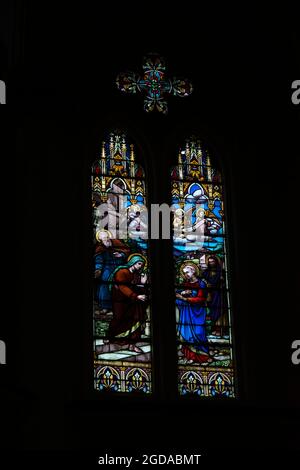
(191, 303)
(216, 299)
(129, 302)
(109, 254)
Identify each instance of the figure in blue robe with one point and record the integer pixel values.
(192, 321)
(107, 258)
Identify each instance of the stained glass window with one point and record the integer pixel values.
(122, 329)
(203, 309)
(154, 84)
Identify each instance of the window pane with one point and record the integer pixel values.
(203, 315)
(122, 321)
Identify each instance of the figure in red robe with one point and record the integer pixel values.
(128, 304)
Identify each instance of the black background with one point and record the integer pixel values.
(60, 66)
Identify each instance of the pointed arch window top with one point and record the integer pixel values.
(154, 84)
(118, 158)
(194, 164)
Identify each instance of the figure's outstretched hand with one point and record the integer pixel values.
(143, 278)
(142, 297)
(117, 254)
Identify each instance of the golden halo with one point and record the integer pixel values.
(192, 264)
(179, 212)
(134, 208)
(98, 238)
(138, 254)
(200, 210)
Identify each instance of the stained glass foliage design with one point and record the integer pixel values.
(154, 84)
(122, 329)
(203, 311)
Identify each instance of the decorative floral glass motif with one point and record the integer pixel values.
(122, 333)
(203, 311)
(154, 84)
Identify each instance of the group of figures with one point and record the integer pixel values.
(122, 297)
(201, 306)
(121, 290)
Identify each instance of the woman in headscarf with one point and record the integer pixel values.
(128, 303)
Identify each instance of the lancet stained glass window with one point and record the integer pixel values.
(122, 330)
(203, 310)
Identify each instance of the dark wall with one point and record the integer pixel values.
(63, 98)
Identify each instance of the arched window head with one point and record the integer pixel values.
(203, 312)
(122, 333)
